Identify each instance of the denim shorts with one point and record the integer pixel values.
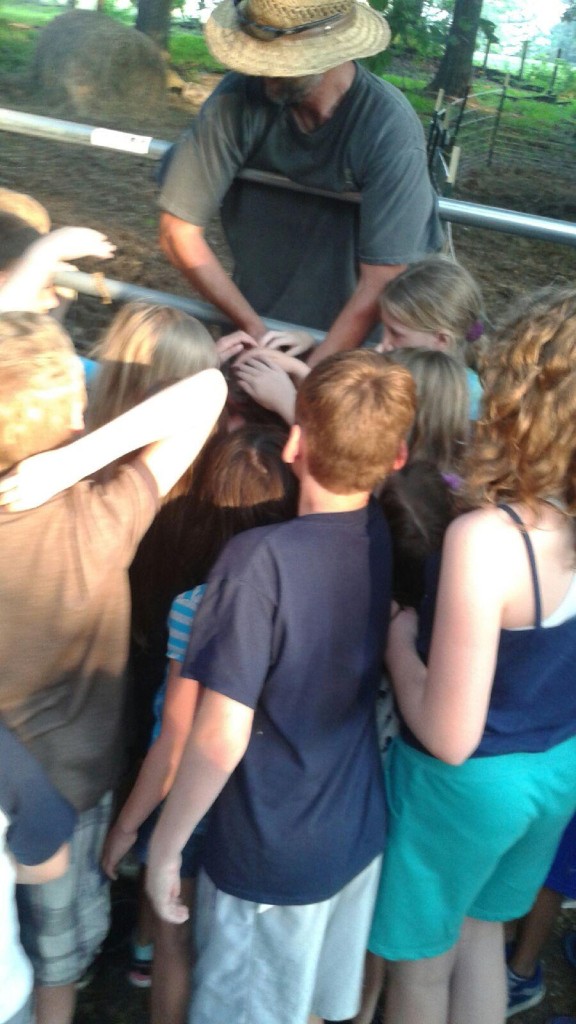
(64, 922)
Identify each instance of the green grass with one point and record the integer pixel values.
(187, 49)
(189, 52)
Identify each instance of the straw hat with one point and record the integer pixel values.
(290, 38)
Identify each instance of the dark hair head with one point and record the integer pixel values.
(419, 506)
(15, 238)
(240, 482)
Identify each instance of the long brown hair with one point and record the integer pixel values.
(240, 482)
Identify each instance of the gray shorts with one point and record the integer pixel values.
(277, 965)
(63, 923)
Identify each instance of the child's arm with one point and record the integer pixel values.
(446, 704)
(217, 743)
(47, 871)
(36, 268)
(158, 769)
(178, 420)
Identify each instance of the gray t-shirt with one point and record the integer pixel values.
(296, 255)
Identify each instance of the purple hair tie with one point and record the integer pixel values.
(475, 331)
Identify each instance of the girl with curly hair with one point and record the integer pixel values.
(481, 782)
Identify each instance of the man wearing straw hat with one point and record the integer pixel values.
(299, 106)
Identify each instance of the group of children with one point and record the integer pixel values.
(267, 590)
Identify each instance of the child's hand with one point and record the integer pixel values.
(163, 888)
(33, 482)
(267, 384)
(67, 244)
(232, 345)
(294, 367)
(32, 276)
(294, 343)
(116, 846)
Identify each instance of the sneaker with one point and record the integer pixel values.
(524, 992)
(140, 973)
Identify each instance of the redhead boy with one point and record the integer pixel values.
(287, 647)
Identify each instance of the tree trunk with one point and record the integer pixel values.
(154, 20)
(455, 71)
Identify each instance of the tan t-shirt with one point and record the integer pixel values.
(64, 627)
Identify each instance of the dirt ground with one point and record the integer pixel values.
(117, 194)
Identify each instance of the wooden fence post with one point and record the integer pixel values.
(497, 120)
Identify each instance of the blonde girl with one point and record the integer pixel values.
(144, 348)
(435, 303)
(442, 423)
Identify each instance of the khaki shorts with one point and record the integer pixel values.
(258, 964)
(63, 923)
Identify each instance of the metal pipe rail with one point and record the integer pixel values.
(109, 290)
(491, 218)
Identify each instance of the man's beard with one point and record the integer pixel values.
(290, 91)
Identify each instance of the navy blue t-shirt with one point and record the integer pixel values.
(40, 819)
(293, 624)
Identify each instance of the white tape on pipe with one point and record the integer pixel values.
(121, 140)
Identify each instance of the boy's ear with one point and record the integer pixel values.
(401, 456)
(292, 448)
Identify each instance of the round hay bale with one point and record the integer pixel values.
(94, 63)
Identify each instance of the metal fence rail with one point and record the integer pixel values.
(109, 290)
(471, 214)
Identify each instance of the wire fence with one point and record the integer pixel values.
(482, 126)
